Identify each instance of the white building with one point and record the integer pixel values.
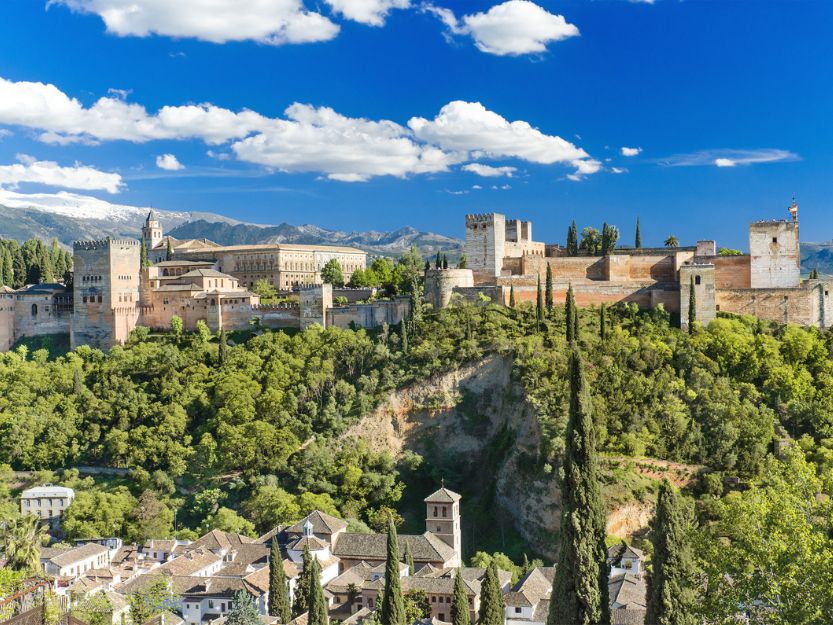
(47, 502)
(73, 563)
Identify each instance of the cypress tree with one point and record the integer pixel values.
(427, 265)
(672, 598)
(605, 239)
(492, 608)
(19, 266)
(445, 261)
(169, 250)
(393, 605)
(548, 288)
(572, 240)
(404, 331)
(278, 589)
(7, 277)
(409, 559)
(463, 264)
(318, 613)
(692, 306)
(301, 604)
(222, 350)
(539, 304)
(460, 602)
(579, 590)
(511, 296)
(569, 314)
(637, 242)
(438, 264)
(143, 258)
(46, 271)
(814, 274)
(602, 322)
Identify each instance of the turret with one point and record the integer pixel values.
(152, 232)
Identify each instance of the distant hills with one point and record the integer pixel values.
(817, 256)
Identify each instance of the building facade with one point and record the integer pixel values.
(47, 502)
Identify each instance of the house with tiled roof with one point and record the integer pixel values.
(623, 558)
(73, 563)
(529, 601)
(628, 599)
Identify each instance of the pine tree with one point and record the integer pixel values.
(672, 597)
(814, 274)
(511, 296)
(539, 304)
(427, 265)
(569, 315)
(404, 330)
(692, 306)
(393, 605)
(602, 322)
(637, 242)
(47, 274)
(579, 591)
(445, 261)
(548, 288)
(409, 559)
(19, 266)
(278, 588)
(492, 608)
(169, 250)
(301, 602)
(460, 602)
(318, 613)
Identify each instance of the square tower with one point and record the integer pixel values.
(105, 291)
(775, 254)
(486, 243)
(152, 232)
(442, 519)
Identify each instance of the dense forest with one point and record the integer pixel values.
(247, 431)
(32, 262)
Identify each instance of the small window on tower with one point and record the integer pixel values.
(775, 239)
(696, 279)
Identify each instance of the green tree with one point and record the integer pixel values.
(222, 347)
(591, 241)
(403, 330)
(814, 274)
(539, 304)
(512, 302)
(460, 602)
(317, 605)
(393, 608)
(572, 239)
(637, 243)
(672, 583)
(692, 306)
(150, 519)
(94, 609)
(331, 273)
(409, 559)
(177, 326)
(570, 315)
(278, 587)
(152, 599)
(203, 333)
(243, 610)
(463, 262)
(438, 263)
(7, 274)
(672, 241)
(445, 261)
(548, 289)
(303, 587)
(265, 291)
(143, 254)
(492, 608)
(21, 540)
(580, 593)
(169, 250)
(417, 605)
(227, 520)
(602, 322)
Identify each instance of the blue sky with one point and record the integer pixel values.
(362, 118)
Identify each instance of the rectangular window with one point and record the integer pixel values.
(696, 279)
(775, 239)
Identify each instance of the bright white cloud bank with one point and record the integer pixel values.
(169, 162)
(512, 28)
(487, 171)
(273, 22)
(306, 139)
(370, 12)
(51, 174)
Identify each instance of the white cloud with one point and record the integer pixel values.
(476, 187)
(169, 162)
(618, 170)
(630, 151)
(273, 22)
(487, 171)
(730, 158)
(49, 173)
(470, 127)
(512, 28)
(5, 133)
(370, 12)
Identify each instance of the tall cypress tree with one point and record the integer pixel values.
(460, 602)
(602, 322)
(143, 258)
(572, 240)
(692, 306)
(511, 296)
(169, 250)
(318, 614)
(404, 331)
(492, 608)
(438, 264)
(579, 590)
(393, 605)
(637, 242)
(605, 239)
(672, 597)
(548, 287)
(301, 602)
(19, 266)
(569, 314)
(7, 277)
(222, 347)
(278, 588)
(539, 304)
(445, 261)
(409, 559)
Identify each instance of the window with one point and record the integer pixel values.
(211, 603)
(696, 279)
(517, 610)
(445, 512)
(34, 310)
(775, 239)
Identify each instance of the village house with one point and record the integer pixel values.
(47, 502)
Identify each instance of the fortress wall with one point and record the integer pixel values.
(565, 268)
(439, 284)
(516, 249)
(495, 294)
(644, 295)
(653, 267)
(513, 266)
(731, 272)
(278, 317)
(800, 305)
(485, 243)
(618, 267)
(370, 315)
(48, 320)
(774, 251)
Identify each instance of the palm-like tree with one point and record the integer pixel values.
(21, 540)
(672, 241)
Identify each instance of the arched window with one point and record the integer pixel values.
(34, 310)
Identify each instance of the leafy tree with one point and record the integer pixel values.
(417, 605)
(548, 289)
(331, 273)
(492, 609)
(203, 334)
(672, 241)
(317, 605)
(637, 243)
(150, 519)
(96, 513)
(460, 602)
(227, 520)
(726, 251)
(177, 326)
(94, 609)
(303, 587)
(579, 593)
(393, 607)
(672, 583)
(278, 587)
(152, 599)
(243, 610)
(591, 241)
(265, 291)
(21, 540)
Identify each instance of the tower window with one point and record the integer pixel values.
(696, 279)
(775, 239)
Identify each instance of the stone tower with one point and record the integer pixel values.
(152, 232)
(705, 304)
(442, 519)
(105, 291)
(775, 253)
(486, 243)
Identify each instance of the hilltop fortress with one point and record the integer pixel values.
(766, 282)
(112, 292)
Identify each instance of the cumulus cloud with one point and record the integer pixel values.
(730, 158)
(470, 127)
(169, 162)
(487, 171)
(370, 12)
(29, 169)
(272, 22)
(630, 151)
(512, 28)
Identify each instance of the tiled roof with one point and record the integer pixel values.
(189, 563)
(425, 548)
(78, 554)
(356, 575)
(206, 273)
(321, 524)
(619, 616)
(310, 542)
(622, 551)
(300, 620)
(532, 588)
(160, 545)
(47, 553)
(627, 591)
(442, 496)
(217, 539)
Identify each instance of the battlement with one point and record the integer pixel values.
(763, 223)
(276, 307)
(480, 218)
(102, 244)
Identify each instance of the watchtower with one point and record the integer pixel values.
(486, 243)
(443, 519)
(775, 252)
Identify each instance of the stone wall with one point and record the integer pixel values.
(809, 305)
(439, 284)
(370, 315)
(731, 272)
(703, 277)
(38, 314)
(646, 295)
(774, 248)
(314, 304)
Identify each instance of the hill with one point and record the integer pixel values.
(817, 256)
